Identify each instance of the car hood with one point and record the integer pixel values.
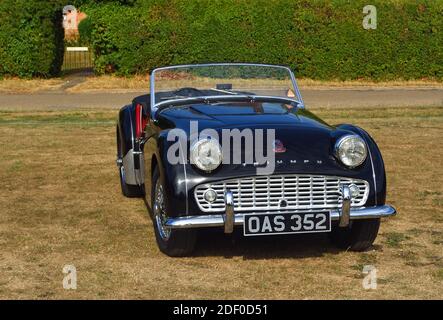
(214, 116)
(307, 140)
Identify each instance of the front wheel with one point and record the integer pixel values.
(359, 236)
(174, 243)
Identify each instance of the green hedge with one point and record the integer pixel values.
(319, 39)
(85, 31)
(31, 38)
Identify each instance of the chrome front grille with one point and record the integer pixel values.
(293, 192)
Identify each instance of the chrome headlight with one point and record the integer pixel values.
(351, 150)
(206, 154)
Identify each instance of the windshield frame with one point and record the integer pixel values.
(156, 106)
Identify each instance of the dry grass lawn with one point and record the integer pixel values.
(137, 83)
(61, 204)
(15, 85)
(93, 84)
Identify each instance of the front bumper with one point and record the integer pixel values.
(224, 220)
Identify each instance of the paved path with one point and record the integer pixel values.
(363, 97)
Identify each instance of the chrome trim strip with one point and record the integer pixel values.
(297, 90)
(152, 91)
(132, 131)
(220, 64)
(217, 220)
(186, 178)
(373, 176)
(363, 136)
(221, 97)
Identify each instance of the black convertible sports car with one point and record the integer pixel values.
(227, 145)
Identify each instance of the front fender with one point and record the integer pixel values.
(377, 163)
(173, 176)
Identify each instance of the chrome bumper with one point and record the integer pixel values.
(224, 220)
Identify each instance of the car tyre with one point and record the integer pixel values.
(359, 236)
(128, 190)
(174, 243)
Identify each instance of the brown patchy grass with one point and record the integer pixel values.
(137, 83)
(353, 84)
(61, 204)
(16, 85)
(110, 83)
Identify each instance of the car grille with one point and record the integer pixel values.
(299, 192)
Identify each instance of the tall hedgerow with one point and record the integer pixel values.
(319, 39)
(31, 38)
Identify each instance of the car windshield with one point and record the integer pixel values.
(175, 83)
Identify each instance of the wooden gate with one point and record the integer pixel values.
(77, 58)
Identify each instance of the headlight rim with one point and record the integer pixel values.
(339, 144)
(195, 145)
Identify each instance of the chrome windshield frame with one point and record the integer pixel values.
(209, 99)
(155, 106)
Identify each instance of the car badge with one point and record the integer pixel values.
(279, 147)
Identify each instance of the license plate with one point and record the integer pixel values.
(287, 223)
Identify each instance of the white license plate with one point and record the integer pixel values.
(287, 223)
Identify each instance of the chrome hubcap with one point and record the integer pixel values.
(159, 212)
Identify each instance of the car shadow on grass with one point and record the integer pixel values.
(213, 242)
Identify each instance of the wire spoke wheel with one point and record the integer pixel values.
(160, 215)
